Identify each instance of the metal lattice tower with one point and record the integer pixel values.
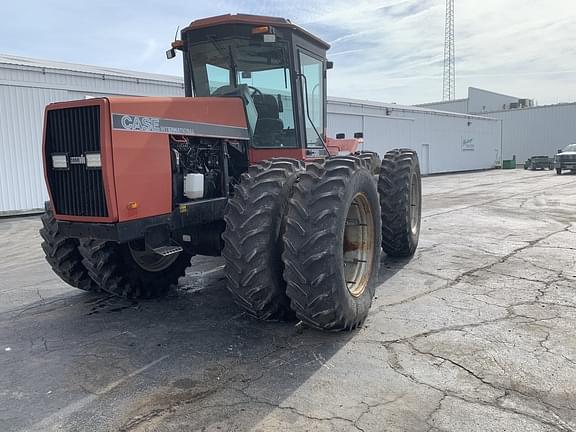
(449, 85)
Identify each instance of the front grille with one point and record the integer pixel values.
(77, 190)
(568, 158)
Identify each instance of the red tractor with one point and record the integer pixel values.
(240, 167)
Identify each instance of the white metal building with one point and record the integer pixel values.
(527, 130)
(445, 141)
(480, 101)
(26, 87)
(537, 131)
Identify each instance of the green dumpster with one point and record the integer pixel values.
(508, 164)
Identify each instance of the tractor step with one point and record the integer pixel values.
(167, 250)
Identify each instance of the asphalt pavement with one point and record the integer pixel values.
(477, 332)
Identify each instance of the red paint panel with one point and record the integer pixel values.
(142, 167)
(227, 111)
(341, 145)
(255, 20)
(142, 173)
(257, 155)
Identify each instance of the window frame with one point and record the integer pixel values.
(320, 128)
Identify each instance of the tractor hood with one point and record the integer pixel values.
(207, 117)
(109, 160)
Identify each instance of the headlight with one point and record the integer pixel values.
(59, 161)
(93, 160)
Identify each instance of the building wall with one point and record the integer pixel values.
(24, 92)
(478, 102)
(445, 142)
(537, 131)
(482, 101)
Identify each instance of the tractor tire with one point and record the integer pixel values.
(332, 244)
(63, 256)
(372, 160)
(400, 190)
(124, 271)
(559, 171)
(253, 239)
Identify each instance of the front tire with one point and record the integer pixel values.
(63, 256)
(558, 171)
(400, 190)
(332, 244)
(126, 271)
(253, 239)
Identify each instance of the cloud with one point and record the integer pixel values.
(387, 50)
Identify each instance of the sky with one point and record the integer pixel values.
(383, 50)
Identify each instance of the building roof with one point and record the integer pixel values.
(442, 102)
(410, 108)
(491, 92)
(535, 107)
(467, 98)
(16, 61)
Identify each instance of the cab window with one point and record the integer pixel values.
(313, 71)
(255, 70)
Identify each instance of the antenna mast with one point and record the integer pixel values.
(449, 84)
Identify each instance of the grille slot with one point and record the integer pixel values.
(78, 190)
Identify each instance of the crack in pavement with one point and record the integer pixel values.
(468, 273)
(397, 367)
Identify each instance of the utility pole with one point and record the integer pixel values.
(449, 84)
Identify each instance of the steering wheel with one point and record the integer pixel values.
(255, 91)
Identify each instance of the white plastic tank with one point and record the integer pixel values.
(194, 186)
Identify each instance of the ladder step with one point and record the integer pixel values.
(167, 250)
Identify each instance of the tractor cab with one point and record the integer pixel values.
(276, 67)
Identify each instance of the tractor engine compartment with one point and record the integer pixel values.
(219, 162)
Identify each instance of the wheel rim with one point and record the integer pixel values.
(151, 261)
(415, 204)
(358, 245)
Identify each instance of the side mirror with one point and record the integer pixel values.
(340, 136)
(358, 135)
(280, 103)
(329, 65)
(170, 54)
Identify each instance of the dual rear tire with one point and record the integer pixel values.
(307, 241)
(253, 238)
(332, 244)
(400, 191)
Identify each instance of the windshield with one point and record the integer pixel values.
(569, 148)
(256, 70)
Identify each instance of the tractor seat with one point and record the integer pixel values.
(269, 124)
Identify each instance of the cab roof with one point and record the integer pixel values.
(256, 20)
